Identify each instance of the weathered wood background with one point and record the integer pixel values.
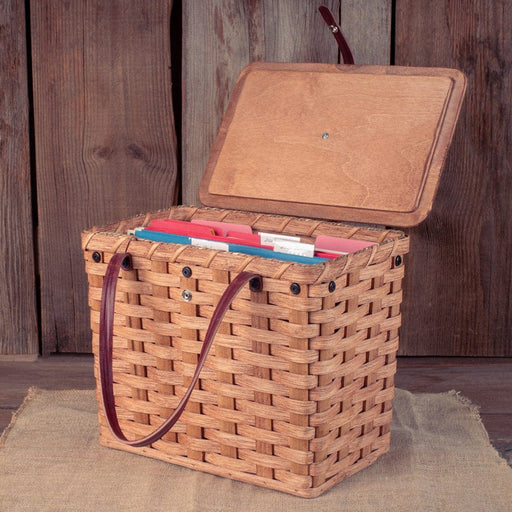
(104, 138)
(87, 136)
(18, 310)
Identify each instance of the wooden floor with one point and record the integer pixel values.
(486, 382)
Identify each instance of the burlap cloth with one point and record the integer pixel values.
(440, 460)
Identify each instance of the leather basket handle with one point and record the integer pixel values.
(328, 17)
(123, 260)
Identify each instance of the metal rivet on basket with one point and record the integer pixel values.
(96, 257)
(187, 271)
(256, 284)
(332, 286)
(126, 264)
(398, 261)
(295, 288)
(186, 295)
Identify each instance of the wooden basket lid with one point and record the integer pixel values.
(353, 143)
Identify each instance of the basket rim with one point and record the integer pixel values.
(112, 238)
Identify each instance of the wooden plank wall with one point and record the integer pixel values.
(104, 138)
(222, 36)
(458, 294)
(18, 315)
(105, 144)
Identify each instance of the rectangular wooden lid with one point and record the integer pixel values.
(353, 143)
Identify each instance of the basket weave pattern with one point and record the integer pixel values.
(296, 393)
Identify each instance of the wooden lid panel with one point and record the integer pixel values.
(364, 144)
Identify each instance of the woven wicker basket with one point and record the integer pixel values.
(296, 392)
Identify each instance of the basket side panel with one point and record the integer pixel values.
(356, 370)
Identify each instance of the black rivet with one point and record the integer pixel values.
(256, 284)
(332, 286)
(398, 261)
(126, 264)
(187, 271)
(96, 257)
(295, 288)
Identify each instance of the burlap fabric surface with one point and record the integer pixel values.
(440, 460)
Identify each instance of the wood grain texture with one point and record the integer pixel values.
(105, 140)
(219, 39)
(458, 289)
(358, 143)
(367, 28)
(18, 317)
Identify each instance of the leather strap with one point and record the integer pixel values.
(105, 349)
(338, 35)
